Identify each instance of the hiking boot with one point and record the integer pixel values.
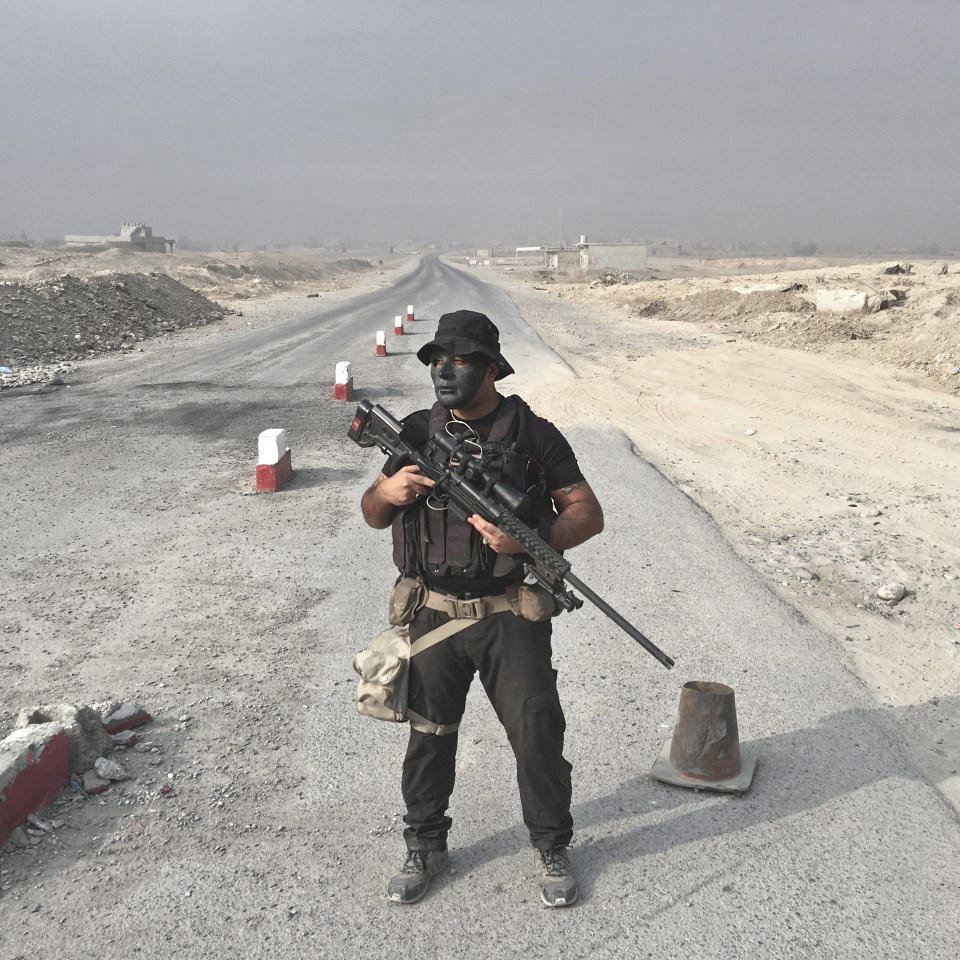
(420, 867)
(558, 885)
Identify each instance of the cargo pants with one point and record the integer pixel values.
(512, 658)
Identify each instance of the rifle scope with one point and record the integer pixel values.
(463, 462)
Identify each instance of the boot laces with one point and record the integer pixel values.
(555, 861)
(415, 862)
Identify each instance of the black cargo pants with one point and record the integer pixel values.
(512, 657)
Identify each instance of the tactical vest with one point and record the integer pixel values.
(436, 542)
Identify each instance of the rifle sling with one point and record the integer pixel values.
(462, 614)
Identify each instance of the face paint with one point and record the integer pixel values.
(457, 380)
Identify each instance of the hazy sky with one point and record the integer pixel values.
(502, 120)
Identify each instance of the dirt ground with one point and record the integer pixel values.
(824, 445)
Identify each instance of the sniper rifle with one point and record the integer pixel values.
(462, 481)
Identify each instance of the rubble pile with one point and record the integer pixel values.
(69, 318)
(611, 277)
(98, 736)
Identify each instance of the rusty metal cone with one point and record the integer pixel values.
(704, 752)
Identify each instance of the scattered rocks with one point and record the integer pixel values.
(19, 838)
(892, 592)
(108, 769)
(94, 784)
(39, 824)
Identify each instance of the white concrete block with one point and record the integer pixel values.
(271, 446)
(841, 301)
(343, 372)
(381, 338)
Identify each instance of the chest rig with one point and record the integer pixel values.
(429, 540)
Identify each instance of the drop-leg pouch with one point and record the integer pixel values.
(408, 596)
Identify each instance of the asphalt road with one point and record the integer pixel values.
(139, 564)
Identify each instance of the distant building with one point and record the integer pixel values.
(561, 258)
(136, 236)
(586, 255)
(612, 256)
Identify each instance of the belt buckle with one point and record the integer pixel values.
(474, 609)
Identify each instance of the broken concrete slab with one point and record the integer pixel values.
(93, 784)
(118, 715)
(84, 729)
(841, 301)
(33, 770)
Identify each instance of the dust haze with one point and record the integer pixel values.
(241, 123)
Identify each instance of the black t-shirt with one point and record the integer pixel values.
(548, 447)
(544, 443)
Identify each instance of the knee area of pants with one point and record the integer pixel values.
(538, 702)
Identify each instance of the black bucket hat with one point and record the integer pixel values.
(463, 332)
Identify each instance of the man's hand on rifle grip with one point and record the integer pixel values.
(493, 536)
(388, 494)
(404, 486)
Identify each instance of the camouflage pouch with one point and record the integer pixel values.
(532, 602)
(408, 596)
(384, 670)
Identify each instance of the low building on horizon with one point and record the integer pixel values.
(133, 236)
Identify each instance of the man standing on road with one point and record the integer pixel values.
(454, 569)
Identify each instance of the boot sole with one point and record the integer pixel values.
(404, 903)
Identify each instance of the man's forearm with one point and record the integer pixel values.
(377, 511)
(577, 523)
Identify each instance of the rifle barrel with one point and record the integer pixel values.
(620, 621)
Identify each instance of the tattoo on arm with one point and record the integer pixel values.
(573, 486)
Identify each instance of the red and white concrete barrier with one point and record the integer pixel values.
(410, 313)
(343, 385)
(33, 770)
(398, 326)
(274, 465)
(381, 350)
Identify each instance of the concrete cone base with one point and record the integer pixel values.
(664, 770)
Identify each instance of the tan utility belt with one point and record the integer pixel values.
(384, 668)
(476, 608)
